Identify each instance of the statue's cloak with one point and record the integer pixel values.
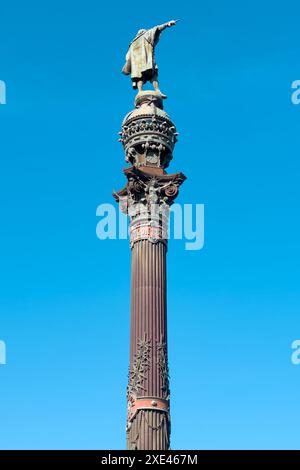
(140, 60)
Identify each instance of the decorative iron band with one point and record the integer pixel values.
(146, 403)
(147, 231)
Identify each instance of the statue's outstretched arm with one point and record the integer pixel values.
(166, 25)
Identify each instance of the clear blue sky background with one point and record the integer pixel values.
(234, 306)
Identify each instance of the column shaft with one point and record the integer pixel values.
(148, 376)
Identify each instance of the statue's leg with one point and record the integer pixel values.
(140, 85)
(154, 81)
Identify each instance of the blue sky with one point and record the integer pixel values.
(227, 68)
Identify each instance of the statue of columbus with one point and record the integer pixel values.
(140, 57)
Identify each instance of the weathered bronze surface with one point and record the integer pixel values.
(148, 136)
(140, 58)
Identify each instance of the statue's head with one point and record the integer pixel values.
(141, 31)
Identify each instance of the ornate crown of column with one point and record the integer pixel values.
(148, 136)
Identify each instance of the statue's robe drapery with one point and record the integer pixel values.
(140, 60)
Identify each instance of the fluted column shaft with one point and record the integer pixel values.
(149, 428)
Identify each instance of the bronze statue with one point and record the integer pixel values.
(140, 58)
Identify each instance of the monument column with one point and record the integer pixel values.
(148, 136)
